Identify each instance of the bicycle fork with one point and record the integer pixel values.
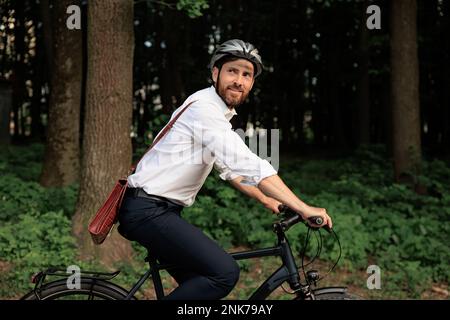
(304, 291)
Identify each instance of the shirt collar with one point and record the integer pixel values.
(229, 113)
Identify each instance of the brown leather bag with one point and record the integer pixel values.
(105, 218)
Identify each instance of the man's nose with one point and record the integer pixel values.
(239, 80)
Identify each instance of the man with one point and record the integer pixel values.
(170, 175)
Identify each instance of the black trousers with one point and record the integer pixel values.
(204, 270)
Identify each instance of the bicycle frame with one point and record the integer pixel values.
(288, 271)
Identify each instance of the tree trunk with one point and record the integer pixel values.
(300, 86)
(363, 83)
(446, 82)
(5, 109)
(37, 128)
(38, 78)
(106, 143)
(18, 75)
(337, 136)
(44, 9)
(405, 89)
(385, 119)
(62, 154)
(172, 88)
(43, 73)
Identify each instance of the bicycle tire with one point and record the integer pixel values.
(337, 296)
(332, 293)
(90, 289)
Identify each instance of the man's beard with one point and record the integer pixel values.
(222, 94)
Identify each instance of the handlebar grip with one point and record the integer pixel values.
(318, 221)
(287, 223)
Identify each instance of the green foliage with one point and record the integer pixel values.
(34, 242)
(377, 221)
(35, 232)
(23, 162)
(35, 222)
(19, 197)
(193, 7)
(19, 191)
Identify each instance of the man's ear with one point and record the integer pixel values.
(215, 74)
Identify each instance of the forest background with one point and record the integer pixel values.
(361, 99)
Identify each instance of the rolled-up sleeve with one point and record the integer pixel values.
(225, 173)
(233, 157)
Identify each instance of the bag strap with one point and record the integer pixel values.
(160, 136)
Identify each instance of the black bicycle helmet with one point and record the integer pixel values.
(240, 49)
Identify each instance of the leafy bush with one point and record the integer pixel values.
(35, 222)
(378, 222)
(33, 242)
(18, 197)
(23, 162)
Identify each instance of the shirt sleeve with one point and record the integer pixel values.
(214, 132)
(225, 173)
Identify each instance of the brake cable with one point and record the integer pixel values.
(337, 260)
(319, 250)
(303, 266)
(304, 253)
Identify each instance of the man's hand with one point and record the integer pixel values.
(309, 211)
(274, 187)
(271, 204)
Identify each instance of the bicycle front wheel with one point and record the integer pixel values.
(89, 289)
(332, 293)
(337, 296)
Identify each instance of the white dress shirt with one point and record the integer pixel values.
(201, 138)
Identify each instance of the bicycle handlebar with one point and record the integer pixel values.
(293, 218)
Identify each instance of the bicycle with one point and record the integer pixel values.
(97, 285)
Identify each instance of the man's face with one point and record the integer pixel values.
(234, 82)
